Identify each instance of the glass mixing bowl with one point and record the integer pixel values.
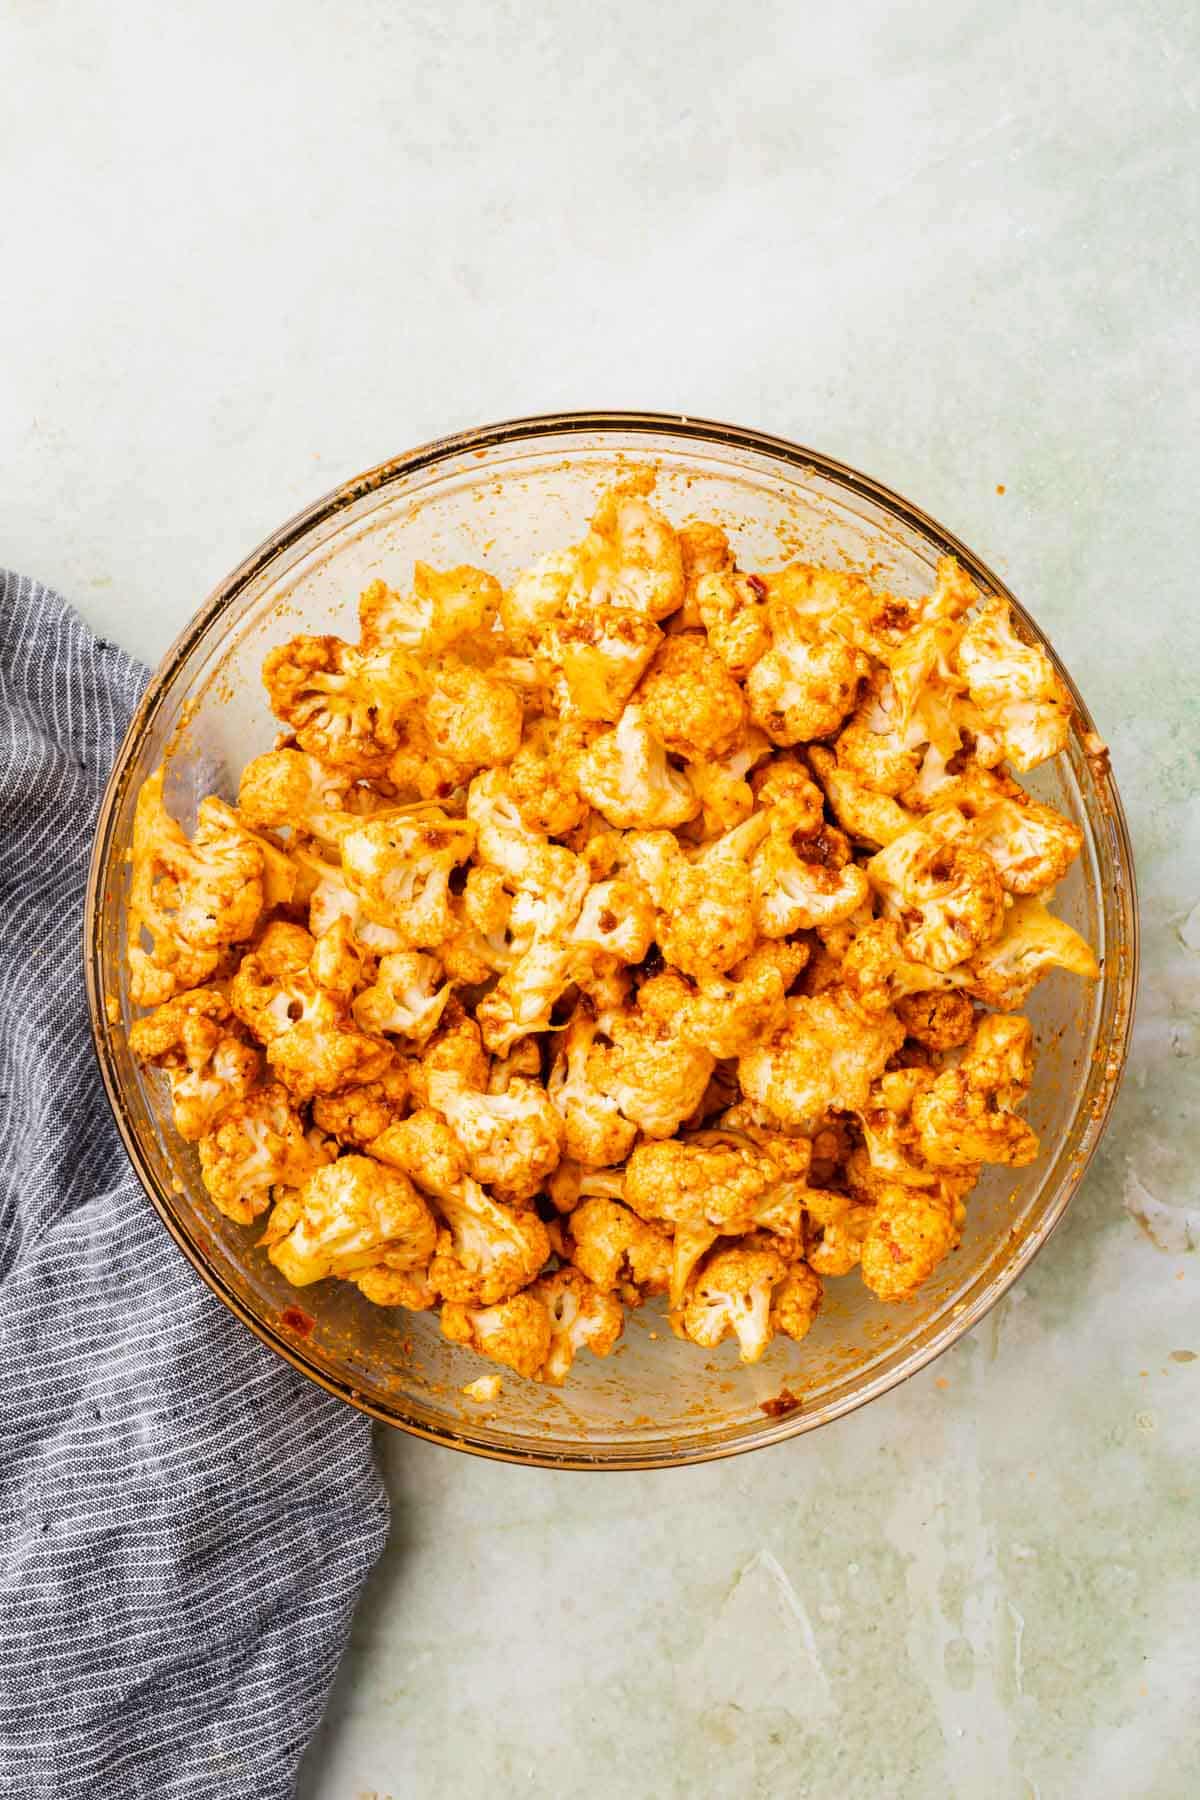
(500, 496)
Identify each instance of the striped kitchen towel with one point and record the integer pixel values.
(185, 1522)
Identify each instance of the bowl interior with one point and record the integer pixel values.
(501, 498)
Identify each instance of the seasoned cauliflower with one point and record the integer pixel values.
(705, 550)
(690, 701)
(286, 789)
(733, 611)
(204, 1053)
(1032, 942)
(651, 898)
(257, 1144)
(357, 1115)
(643, 1063)
(444, 607)
(946, 897)
(965, 1116)
(581, 1318)
(705, 921)
(489, 1251)
(826, 1054)
(631, 556)
(344, 704)
(1031, 845)
(727, 1016)
(516, 1332)
(911, 1231)
(1023, 710)
(731, 1296)
(400, 865)
(803, 879)
(190, 900)
(618, 1251)
(806, 683)
(625, 775)
(542, 777)
(346, 1217)
(867, 817)
(406, 998)
(593, 658)
(512, 1141)
(596, 1132)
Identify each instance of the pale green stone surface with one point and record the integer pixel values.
(955, 246)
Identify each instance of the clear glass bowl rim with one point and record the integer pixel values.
(480, 440)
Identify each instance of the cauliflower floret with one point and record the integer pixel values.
(512, 1141)
(965, 1116)
(824, 1056)
(838, 1223)
(733, 612)
(400, 865)
(257, 1144)
(330, 901)
(347, 1217)
(1033, 941)
(1031, 845)
(705, 550)
(1024, 710)
(542, 776)
(516, 1332)
(287, 789)
(732, 1295)
(806, 683)
(444, 606)
(537, 596)
(877, 745)
(656, 1078)
(424, 1147)
(405, 998)
(625, 775)
(191, 899)
(868, 817)
(357, 1115)
(797, 1301)
(581, 1318)
(489, 1251)
(946, 897)
(728, 1016)
(617, 919)
(725, 793)
(705, 901)
(910, 1232)
(878, 973)
(383, 1285)
(594, 656)
(503, 840)
(313, 1045)
(472, 719)
(455, 1053)
(802, 690)
(207, 1060)
(545, 907)
(803, 878)
(631, 555)
(617, 1250)
(939, 1021)
(690, 701)
(596, 1133)
(713, 1179)
(344, 704)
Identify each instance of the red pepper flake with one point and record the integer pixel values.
(784, 1402)
(297, 1321)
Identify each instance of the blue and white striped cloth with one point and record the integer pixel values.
(185, 1523)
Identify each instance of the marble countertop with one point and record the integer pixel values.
(268, 246)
